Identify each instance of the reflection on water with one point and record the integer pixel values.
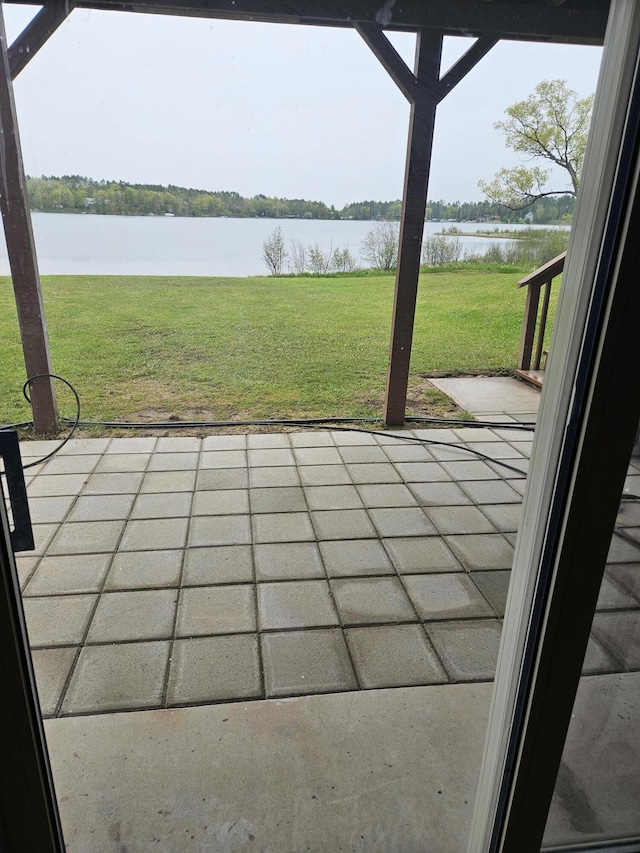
(69, 244)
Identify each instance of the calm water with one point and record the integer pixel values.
(70, 244)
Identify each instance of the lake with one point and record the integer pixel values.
(77, 244)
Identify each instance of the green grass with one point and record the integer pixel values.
(149, 348)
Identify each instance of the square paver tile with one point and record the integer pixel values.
(394, 656)
(282, 527)
(439, 494)
(223, 459)
(613, 596)
(270, 457)
(504, 517)
(312, 438)
(356, 455)
(449, 452)
(122, 463)
(495, 587)
(482, 551)
(408, 452)
(355, 557)
(283, 499)
(221, 502)
(401, 521)
(179, 444)
(162, 534)
(113, 484)
(420, 555)
(56, 484)
(214, 669)
(317, 456)
(224, 564)
(386, 495)
(619, 633)
(287, 561)
(422, 472)
(295, 604)
(168, 481)
(491, 492)
(70, 574)
(460, 519)
(87, 537)
(362, 601)
(224, 442)
(349, 437)
(473, 470)
(219, 530)
(303, 662)
(216, 610)
(333, 497)
(267, 440)
(162, 505)
(468, 649)
(213, 479)
(324, 475)
(101, 508)
(373, 472)
(265, 478)
(436, 434)
(173, 461)
(84, 464)
(446, 596)
(497, 451)
(117, 677)
(144, 570)
(51, 667)
(343, 524)
(58, 620)
(140, 444)
(84, 445)
(50, 510)
(134, 615)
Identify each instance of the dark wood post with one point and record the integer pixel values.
(16, 218)
(422, 122)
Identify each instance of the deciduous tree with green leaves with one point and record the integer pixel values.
(549, 126)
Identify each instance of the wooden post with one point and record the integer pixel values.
(16, 218)
(422, 122)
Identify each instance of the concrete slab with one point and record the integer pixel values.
(490, 394)
(379, 770)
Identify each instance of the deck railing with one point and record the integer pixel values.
(535, 320)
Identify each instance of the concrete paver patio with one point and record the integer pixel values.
(184, 571)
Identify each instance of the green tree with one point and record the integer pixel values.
(550, 126)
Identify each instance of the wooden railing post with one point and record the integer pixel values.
(534, 282)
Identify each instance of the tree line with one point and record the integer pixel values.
(76, 194)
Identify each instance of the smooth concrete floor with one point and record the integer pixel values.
(382, 770)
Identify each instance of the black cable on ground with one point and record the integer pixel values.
(300, 422)
(75, 422)
(311, 422)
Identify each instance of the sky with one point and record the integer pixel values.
(283, 110)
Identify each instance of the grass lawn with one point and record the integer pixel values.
(149, 347)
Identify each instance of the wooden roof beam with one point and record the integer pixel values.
(574, 21)
(37, 33)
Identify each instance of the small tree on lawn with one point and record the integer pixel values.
(380, 247)
(274, 251)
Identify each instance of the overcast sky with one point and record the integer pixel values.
(287, 111)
